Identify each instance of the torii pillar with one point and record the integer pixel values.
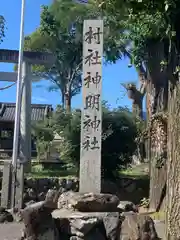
(25, 121)
(17, 184)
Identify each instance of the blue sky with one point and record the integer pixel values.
(113, 74)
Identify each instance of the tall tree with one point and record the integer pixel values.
(60, 32)
(66, 73)
(156, 37)
(131, 32)
(152, 29)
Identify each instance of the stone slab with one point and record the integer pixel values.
(66, 213)
(19, 186)
(5, 192)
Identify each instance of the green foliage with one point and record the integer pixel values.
(118, 145)
(145, 202)
(53, 36)
(42, 132)
(2, 28)
(141, 22)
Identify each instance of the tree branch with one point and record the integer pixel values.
(74, 72)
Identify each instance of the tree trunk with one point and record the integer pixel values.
(63, 100)
(137, 108)
(158, 131)
(173, 165)
(149, 100)
(68, 102)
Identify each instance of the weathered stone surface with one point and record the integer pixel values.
(38, 221)
(82, 227)
(138, 227)
(41, 196)
(30, 195)
(112, 223)
(120, 188)
(83, 224)
(95, 234)
(88, 202)
(126, 206)
(16, 213)
(5, 216)
(5, 185)
(30, 203)
(51, 194)
(63, 201)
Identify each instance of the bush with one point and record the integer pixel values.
(42, 133)
(118, 138)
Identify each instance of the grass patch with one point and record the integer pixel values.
(38, 171)
(135, 172)
(65, 171)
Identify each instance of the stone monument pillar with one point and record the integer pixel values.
(91, 116)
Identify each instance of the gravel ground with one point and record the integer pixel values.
(12, 231)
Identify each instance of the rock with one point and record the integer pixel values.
(31, 194)
(81, 227)
(88, 202)
(69, 184)
(127, 206)
(5, 216)
(138, 227)
(95, 235)
(2, 209)
(52, 197)
(75, 238)
(38, 222)
(62, 183)
(16, 213)
(112, 223)
(63, 200)
(44, 182)
(75, 186)
(41, 196)
(29, 203)
(51, 193)
(91, 202)
(30, 183)
(84, 224)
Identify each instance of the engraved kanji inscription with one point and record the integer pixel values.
(92, 102)
(93, 35)
(91, 123)
(90, 143)
(92, 79)
(92, 58)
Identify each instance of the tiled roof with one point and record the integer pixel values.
(39, 111)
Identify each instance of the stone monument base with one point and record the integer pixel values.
(43, 220)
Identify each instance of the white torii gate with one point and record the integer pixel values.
(25, 129)
(29, 58)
